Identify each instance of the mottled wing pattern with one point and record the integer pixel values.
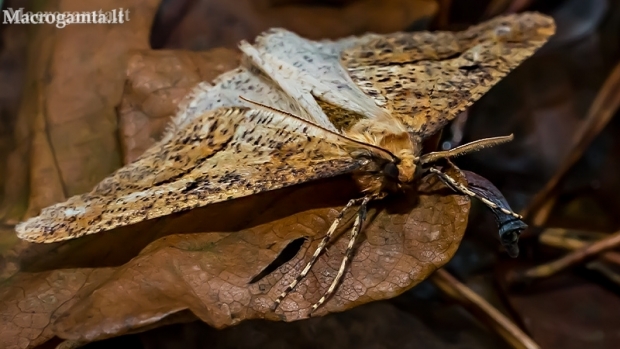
(225, 92)
(221, 155)
(425, 79)
(286, 77)
(311, 72)
(278, 71)
(282, 89)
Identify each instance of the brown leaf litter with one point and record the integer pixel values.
(209, 272)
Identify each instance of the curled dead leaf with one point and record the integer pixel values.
(209, 268)
(91, 288)
(156, 82)
(74, 83)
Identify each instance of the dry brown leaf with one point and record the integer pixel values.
(75, 81)
(156, 80)
(91, 288)
(209, 272)
(12, 71)
(156, 83)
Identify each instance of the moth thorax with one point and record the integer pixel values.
(406, 151)
(374, 131)
(407, 166)
(393, 137)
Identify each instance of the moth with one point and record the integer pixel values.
(298, 111)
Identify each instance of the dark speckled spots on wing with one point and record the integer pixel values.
(222, 155)
(421, 79)
(426, 79)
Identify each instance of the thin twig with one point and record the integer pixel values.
(601, 112)
(575, 239)
(483, 310)
(571, 259)
(604, 270)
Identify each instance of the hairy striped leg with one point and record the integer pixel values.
(355, 231)
(317, 253)
(449, 181)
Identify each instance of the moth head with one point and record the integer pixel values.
(406, 166)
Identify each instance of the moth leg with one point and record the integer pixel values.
(355, 231)
(464, 149)
(317, 252)
(449, 181)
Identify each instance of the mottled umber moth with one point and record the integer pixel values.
(298, 111)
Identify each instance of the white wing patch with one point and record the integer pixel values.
(314, 67)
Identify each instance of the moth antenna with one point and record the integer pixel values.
(465, 148)
(388, 155)
(355, 231)
(456, 186)
(317, 252)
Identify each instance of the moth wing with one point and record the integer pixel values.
(425, 79)
(223, 154)
(259, 79)
(311, 72)
(226, 91)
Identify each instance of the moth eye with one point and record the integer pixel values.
(390, 170)
(371, 167)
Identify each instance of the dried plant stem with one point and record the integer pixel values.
(576, 257)
(601, 111)
(604, 270)
(573, 240)
(483, 310)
